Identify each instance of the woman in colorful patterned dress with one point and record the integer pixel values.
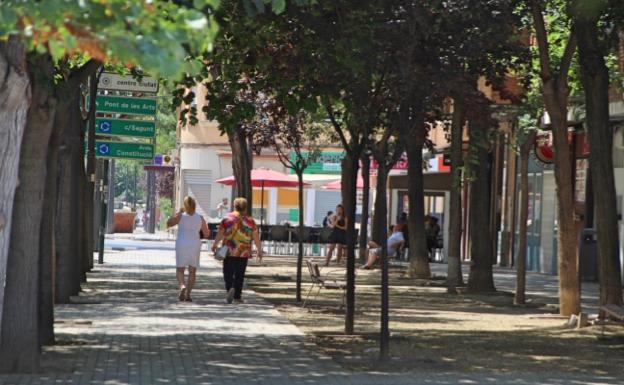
(237, 231)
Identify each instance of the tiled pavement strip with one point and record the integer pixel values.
(129, 328)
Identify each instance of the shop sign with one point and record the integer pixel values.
(325, 163)
(545, 150)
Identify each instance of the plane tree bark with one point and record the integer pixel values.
(525, 149)
(595, 80)
(15, 97)
(454, 276)
(69, 241)
(555, 93)
(19, 350)
(481, 277)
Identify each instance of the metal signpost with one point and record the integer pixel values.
(121, 115)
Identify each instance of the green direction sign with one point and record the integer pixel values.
(125, 105)
(123, 127)
(124, 150)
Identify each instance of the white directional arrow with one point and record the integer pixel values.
(103, 149)
(105, 126)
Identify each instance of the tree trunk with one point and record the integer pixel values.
(86, 219)
(567, 251)
(14, 103)
(454, 276)
(241, 165)
(481, 278)
(109, 198)
(19, 351)
(300, 237)
(595, 79)
(509, 205)
(555, 92)
(419, 258)
(519, 298)
(91, 165)
(69, 262)
(365, 205)
(381, 210)
(380, 219)
(349, 191)
(47, 247)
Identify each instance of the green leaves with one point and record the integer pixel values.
(157, 36)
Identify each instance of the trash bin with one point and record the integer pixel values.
(588, 256)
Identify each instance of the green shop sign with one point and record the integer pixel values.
(123, 127)
(125, 105)
(325, 163)
(123, 150)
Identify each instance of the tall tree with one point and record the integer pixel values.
(554, 73)
(20, 321)
(525, 151)
(454, 275)
(481, 277)
(14, 103)
(295, 139)
(64, 31)
(593, 48)
(386, 150)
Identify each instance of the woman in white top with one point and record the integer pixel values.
(188, 245)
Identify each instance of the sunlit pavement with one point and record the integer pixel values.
(128, 327)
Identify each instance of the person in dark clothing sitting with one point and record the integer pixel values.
(327, 219)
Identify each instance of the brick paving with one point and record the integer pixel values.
(129, 328)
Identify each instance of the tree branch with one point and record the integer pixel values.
(80, 74)
(337, 127)
(542, 39)
(566, 59)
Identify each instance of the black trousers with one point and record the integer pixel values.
(234, 274)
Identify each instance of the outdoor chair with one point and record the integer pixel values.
(320, 281)
(438, 255)
(279, 237)
(306, 238)
(611, 311)
(323, 239)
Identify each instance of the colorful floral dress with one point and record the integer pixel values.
(238, 235)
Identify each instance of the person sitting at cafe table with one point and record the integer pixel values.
(395, 242)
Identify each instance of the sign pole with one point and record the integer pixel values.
(93, 85)
(110, 208)
(97, 203)
(103, 211)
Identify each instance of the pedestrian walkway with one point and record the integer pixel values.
(129, 328)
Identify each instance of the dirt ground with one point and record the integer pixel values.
(433, 330)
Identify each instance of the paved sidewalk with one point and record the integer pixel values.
(129, 328)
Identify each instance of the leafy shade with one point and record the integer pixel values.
(157, 36)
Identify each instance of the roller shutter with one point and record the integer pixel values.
(198, 184)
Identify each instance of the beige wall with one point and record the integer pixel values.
(205, 131)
